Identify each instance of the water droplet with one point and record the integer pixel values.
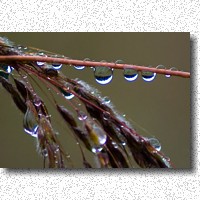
(96, 149)
(7, 68)
(123, 143)
(56, 66)
(130, 74)
(172, 69)
(79, 67)
(106, 100)
(97, 137)
(115, 145)
(30, 122)
(119, 62)
(103, 75)
(106, 115)
(155, 143)
(160, 67)
(39, 63)
(148, 76)
(45, 152)
(67, 95)
(82, 116)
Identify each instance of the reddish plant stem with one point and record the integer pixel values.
(93, 64)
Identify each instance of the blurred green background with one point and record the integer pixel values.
(160, 108)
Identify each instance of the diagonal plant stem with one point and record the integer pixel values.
(68, 61)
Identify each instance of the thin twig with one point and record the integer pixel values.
(93, 64)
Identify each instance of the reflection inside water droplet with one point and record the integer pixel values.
(67, 95)
(79, 67)
(56, 66)
(103, 75)
(155, 143)
(148, 76)
(130, 74)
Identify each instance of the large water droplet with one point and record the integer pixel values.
(103, 75)
(148, 76)
(155, 143)
(56, 66)
(172, 69)
(30, 122)
(98, 137)
(130, 74)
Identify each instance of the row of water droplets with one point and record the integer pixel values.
(104, 75)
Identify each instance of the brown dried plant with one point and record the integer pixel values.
(95, 126)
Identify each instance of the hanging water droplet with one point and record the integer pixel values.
(148, 76)
(155, 143)
(172, 69)
(56, 66)
(82, 116)
(30, 122)
(103, 75)
(67, 95)
(79, 67)
(130, 74)
(39, 63)
(106, 115)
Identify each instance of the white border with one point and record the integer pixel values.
(107, 15)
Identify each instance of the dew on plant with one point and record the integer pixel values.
(130, 74)
(82, 116)
(57, 66)
(148, 76)
(30, 121)
(172, 69)
(155, 143)
(103, 75)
